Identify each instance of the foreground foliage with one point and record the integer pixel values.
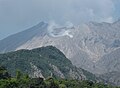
(24, 81)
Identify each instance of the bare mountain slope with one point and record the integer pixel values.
(12, 42)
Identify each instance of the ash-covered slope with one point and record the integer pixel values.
(110, 62)
(85, 45)
(42, 62)
(109, 65)
(12, 42)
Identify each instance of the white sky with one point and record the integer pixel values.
(17, 15)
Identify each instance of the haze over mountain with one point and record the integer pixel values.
(92, 46)
(17, 15)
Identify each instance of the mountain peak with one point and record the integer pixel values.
(41, 23)
(98, 24)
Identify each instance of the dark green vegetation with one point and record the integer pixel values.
(43, 58)
(44, 61)
(24, 81)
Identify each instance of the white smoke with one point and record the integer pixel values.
(56, 30)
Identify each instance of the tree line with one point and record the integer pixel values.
(24, 81)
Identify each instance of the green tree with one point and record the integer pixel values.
(4, 73)
(18, 75)
(62, 86)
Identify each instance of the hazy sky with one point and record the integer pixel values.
(18, 15)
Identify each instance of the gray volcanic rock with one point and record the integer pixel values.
(109, 63)
(12, 42)
(111, 77)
